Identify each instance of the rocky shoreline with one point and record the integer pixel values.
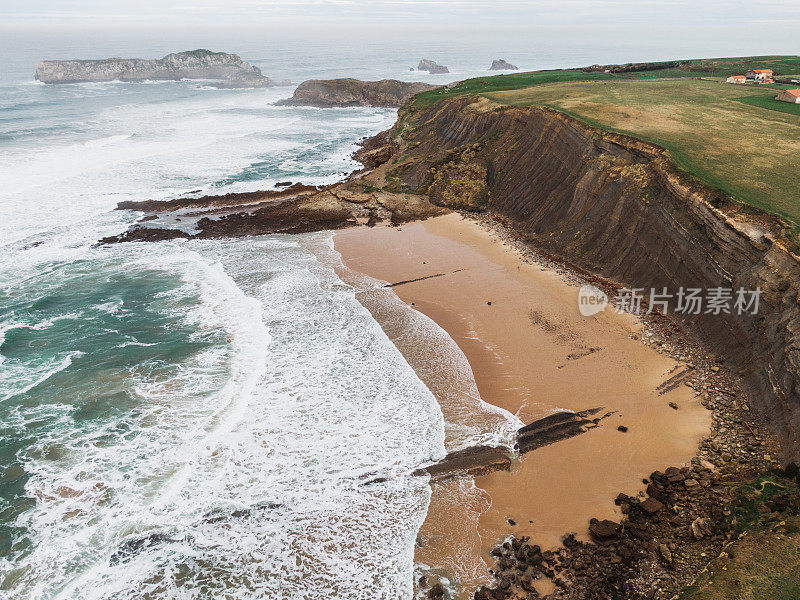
(617, 207)
(479, 460)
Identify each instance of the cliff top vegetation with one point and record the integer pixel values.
(733, 137)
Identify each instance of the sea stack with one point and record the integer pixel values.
(432, 67)
(501, 65)
(226, 70)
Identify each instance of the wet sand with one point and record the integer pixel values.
(531, 352)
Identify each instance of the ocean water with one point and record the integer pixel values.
(192, 419)
(215, 419)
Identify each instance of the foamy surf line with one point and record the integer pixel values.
(59, 366)
(449, 543)
(435, 357)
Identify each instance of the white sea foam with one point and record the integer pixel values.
(231, 141)
(469, 420)
(40, 377)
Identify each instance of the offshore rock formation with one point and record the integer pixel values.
(228, 70)
(501, 65)
(328, 93)
(615, 206)
(432, 67)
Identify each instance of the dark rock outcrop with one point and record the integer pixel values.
(638, 67)
(432, 67)
(235, 199)
(476, 460)
(501, 65)
(553, 428)
(227, 70)
(479, 460)
(140, 233)
(329, 93)
(615, 206)
(376, 150)
(289, 216)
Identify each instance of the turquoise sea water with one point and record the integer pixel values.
(199, 419)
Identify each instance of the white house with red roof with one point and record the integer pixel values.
(736, 79)
(760, 75)
(791, 96)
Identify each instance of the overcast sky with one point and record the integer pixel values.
(519, 13)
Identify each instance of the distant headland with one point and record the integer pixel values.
(327, 93)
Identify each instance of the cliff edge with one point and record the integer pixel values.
(227, 70)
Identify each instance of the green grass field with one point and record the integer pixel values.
(748, 149)
(710, 67)
(736, 138)
(770, 103)
(762, 566)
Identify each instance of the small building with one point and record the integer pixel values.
(791, 96)
(736, 79)
(760, 75)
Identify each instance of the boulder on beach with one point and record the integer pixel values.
(501, 65)
(432, 67)
(604, 530)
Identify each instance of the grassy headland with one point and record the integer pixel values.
(750, 152)
(736, 138)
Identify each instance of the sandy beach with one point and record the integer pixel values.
(530, 352)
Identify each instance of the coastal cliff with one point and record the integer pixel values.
(611, 205)
(328, 93)
(228, 70)
(615, 206)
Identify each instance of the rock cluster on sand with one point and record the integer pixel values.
(227, 70)
(501, 65)
(432, 67)
(327, 93)
(651, 553)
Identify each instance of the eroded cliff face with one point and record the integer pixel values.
(615, 206)
(229, 70)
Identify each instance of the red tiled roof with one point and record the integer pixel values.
(738, 77)
(795, 93)
(762, 70)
